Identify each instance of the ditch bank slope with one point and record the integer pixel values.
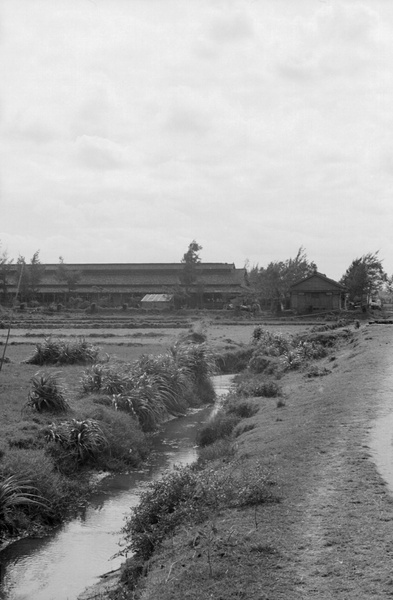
(331, 534)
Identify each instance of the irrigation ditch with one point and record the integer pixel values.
(76, 554)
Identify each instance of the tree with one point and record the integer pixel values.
(190, 260)
(364, 277)
(30, 275)
(272, 283)
(5, 269)
(70, 276)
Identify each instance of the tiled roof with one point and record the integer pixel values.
(319, 276)
(139, 278)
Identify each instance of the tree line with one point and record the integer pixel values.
(364, 278)
(29, 273)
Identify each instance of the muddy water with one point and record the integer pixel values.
(62, 565)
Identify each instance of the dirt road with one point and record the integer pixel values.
(331, 535)
(333, 530)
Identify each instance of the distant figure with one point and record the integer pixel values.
(357, 324)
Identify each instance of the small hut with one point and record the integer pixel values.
(157, 301)
(317, 293)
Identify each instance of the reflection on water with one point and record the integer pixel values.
(61, 566)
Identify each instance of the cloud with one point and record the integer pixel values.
(339, 40)
(98, 154)
(231, 28)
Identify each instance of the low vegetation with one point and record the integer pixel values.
(187, 497)
(155, 387)
(46, 394)
(62, 352)
(75, 421)
(186, 504)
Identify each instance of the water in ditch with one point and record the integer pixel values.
(62, 565)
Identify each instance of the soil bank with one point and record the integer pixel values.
(331, 535)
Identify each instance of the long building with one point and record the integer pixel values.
(213, 284)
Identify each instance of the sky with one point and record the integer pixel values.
(129, 128)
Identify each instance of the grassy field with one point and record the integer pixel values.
(24, 448)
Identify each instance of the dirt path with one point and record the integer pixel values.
(334, 528)
(331, 536)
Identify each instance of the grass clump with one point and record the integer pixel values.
(254, 387)
(82, 441)
(56, 351)
(155, 387)
(219, 427)
(241, 409)
(17, 495)
(46, 394)
(53, 494)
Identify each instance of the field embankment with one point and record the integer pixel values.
(329, 534)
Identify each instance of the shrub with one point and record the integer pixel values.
(244, 410)
(263, 364)
(189, 495)
(234, 361)
(220, 426)
(46, 394)
(255, 388)
(222, 448)
(161, 508)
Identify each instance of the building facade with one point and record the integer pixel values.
(213, 285)
(317, 293)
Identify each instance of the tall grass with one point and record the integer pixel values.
(82, 440)
(198, 362)
(156, 387)
(16, 493)
(56, 351)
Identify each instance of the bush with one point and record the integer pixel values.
(220, 426)
(234, 361)
(244, 410)
(161, 508)
(189, 495)
(255, 388)
(222, 448)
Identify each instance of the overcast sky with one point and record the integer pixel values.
(131, 127)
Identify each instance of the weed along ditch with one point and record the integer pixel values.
(60, 566)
